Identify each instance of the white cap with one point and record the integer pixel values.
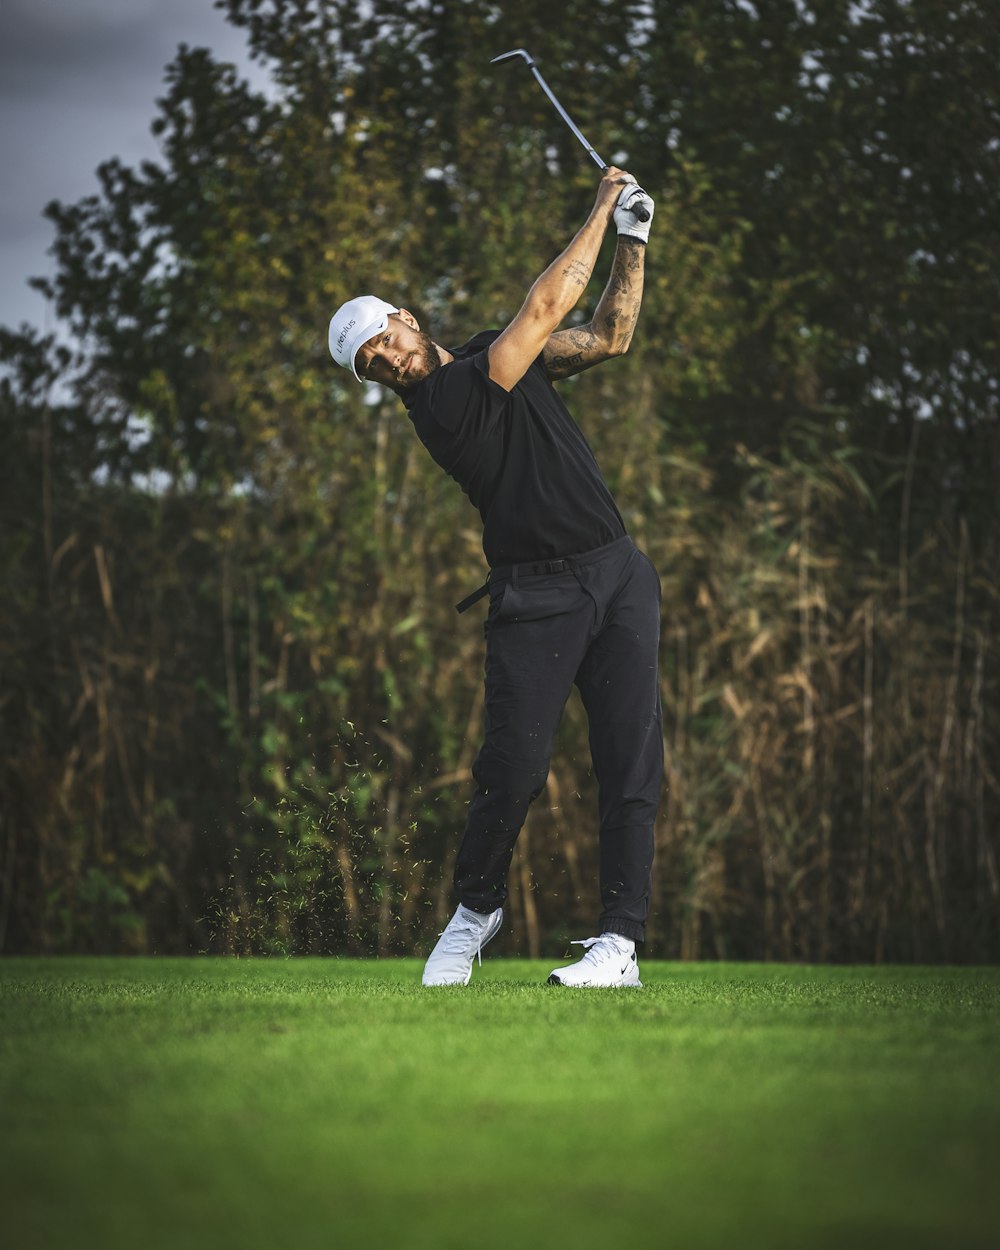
(353, 324)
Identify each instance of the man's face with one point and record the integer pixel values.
(400, 357)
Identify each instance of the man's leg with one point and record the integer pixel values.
(619, 685)
(537, 632)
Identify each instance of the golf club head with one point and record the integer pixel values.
(506, 56)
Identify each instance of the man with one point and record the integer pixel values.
(572, 599)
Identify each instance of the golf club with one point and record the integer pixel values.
(638, 212)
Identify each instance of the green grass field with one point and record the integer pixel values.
(331, 1103)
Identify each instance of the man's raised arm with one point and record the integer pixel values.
(556, 292)
(610, 331)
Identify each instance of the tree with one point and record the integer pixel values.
(246, 710)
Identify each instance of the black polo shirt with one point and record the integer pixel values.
(518, 455)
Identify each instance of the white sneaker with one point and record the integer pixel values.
(467, 932)
(610, 961)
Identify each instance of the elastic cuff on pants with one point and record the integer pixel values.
(631, 929)
(481, 909)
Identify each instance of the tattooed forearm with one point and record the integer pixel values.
(619, 324)
(610, 332)
(627, 267)
(618, 311)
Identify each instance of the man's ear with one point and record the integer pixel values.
(409, 318)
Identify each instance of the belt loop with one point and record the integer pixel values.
(513, 575)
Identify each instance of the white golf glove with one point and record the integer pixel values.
(632, 196)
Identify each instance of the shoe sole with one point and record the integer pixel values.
(623, 985)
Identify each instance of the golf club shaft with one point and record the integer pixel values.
(640, 213)
(566, 117)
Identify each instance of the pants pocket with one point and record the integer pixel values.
(539, 602)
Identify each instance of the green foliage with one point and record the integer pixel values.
(242, 708)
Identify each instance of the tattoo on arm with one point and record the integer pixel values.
(577, 272)
(618, 284)
(619, 306)
(628, 261)
(570, 351)
(563, 366)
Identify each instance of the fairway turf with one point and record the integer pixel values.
(214, 1103)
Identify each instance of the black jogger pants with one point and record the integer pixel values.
(596, 623)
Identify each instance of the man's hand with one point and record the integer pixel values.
(629, 198)
(614, 182)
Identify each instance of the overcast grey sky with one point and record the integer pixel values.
(78, 84)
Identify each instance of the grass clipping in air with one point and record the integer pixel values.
(334, 1103)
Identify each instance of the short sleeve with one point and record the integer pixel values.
(463, 398)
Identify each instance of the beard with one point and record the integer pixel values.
(422, 362)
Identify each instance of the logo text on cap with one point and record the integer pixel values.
(343, 333)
